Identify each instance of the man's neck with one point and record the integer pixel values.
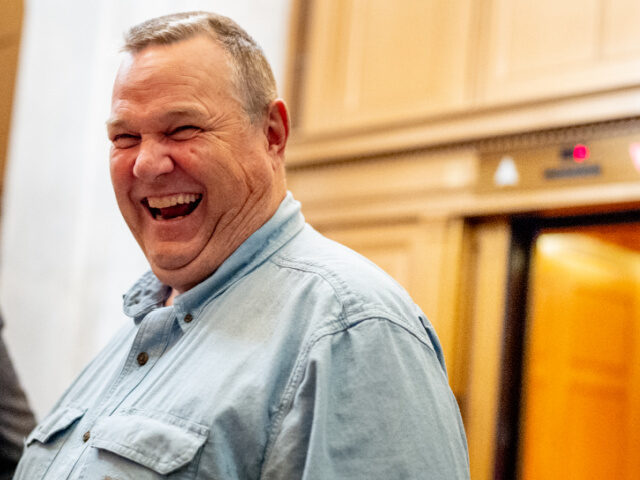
(169, 301)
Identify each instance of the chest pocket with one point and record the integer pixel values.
(161, 443)
(45, 440)
(56, 423)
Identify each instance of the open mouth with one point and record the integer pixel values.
(172, 206)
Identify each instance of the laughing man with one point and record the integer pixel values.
(257, 347)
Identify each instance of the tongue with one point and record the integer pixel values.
(176, 211)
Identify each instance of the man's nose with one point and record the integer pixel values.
(153, 160)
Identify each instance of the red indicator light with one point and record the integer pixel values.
(580, 153)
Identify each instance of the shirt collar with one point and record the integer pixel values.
(149, 293)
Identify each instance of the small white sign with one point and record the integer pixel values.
(507, 173)
(634, 151)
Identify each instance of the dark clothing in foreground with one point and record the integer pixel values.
(16, 419)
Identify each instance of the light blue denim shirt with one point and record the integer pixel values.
(296, 359)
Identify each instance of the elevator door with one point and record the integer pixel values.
(581, 379)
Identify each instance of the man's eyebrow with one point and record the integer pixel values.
(190, 113)
(170, 116)
(113, 123)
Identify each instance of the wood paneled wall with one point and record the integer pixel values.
(374, 75)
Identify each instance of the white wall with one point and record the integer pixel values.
(66, 255)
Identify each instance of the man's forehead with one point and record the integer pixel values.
(197, 48)
(196, 63)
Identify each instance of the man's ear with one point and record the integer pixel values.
(277, 127)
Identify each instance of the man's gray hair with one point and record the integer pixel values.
(252, 75)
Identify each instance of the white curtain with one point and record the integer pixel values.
(66, 255)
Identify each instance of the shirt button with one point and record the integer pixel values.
(86, 436)
(188, 317)
(143, 357)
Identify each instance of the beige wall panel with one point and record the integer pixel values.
(539, 35)
(621, 35)
(544, 49)
(371, 62)
(324, 70)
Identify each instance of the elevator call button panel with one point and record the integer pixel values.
(584, 162)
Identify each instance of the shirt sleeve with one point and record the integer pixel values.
(373, 402)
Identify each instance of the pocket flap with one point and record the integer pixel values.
(162, 444)
(56, 422)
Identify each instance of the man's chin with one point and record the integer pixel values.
(170, 268)
(181, 276)
(180, 279)
(169, 261)
(184, 268)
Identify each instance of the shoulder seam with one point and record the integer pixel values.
(351, 303)
(339, 288)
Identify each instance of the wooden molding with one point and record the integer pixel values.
(463, 126)
(460, 204)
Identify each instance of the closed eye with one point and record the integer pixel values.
(184, 132)
(125, 140)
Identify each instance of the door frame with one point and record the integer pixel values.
(524, 231)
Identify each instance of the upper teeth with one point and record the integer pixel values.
(171, 200)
